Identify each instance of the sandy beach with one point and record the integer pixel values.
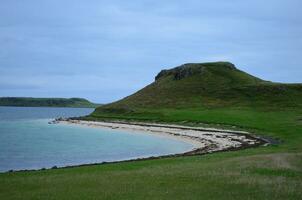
(203, 140)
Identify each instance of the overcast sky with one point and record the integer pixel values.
(105, 50)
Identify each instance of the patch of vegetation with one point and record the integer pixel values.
(277, 172)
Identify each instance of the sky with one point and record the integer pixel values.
(106, 50)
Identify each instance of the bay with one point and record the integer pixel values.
(27, 141)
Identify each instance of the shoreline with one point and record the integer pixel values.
(203, 140)
(134, 130)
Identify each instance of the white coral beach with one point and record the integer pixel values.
(204, 140)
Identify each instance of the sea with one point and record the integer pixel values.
(29, 142)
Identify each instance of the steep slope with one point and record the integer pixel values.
(47, 102)
(208, 85)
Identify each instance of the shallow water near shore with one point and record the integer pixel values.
(27, 141)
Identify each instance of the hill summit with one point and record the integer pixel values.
(206, 85)
(191, 69)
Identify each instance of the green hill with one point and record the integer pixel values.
(206, 86)
(46, 102)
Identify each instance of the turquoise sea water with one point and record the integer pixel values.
(27, 141)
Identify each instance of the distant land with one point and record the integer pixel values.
(47, 102)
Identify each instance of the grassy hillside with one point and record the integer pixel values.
(206, 85)
(46, 102)
(210, 94)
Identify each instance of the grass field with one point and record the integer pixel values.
(273, 172)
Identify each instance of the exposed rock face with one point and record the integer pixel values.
(190, 69)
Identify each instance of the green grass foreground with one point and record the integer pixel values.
(273, 172)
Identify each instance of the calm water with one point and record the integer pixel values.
(27, 141)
